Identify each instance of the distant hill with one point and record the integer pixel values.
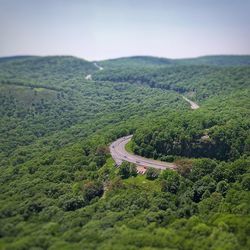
(43, 69)
(136, 61)
(150, 61)
(14, 58)
(223, 60)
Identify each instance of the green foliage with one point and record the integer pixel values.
(196, 81)
(222, 187)
(91, 190)
(218, 60)
(127, 170)
(136, 61)
(170, 181)
(246, 182)
(218, 130)
(152, 173)
(59, 186)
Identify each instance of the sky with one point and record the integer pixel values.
(102, 29)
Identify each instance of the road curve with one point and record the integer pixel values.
(89, 77)
(193, 104)
(119, 154)
(99, 67)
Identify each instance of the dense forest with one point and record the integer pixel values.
(60, 188)
(218, 130)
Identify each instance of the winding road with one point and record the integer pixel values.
(192, 104)
(99, 67)
(119, 154)
(89, 77)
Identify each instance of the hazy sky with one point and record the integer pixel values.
(100, 29)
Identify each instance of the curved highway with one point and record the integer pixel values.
(119, 154)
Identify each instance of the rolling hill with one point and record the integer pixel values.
(60, 188)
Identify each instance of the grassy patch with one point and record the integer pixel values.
(39, 89)
(141, 182)
(128, 147)
(109, 167)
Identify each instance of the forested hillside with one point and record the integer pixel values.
(222, 61)
(60, 188)
(198, 82)
(149, 61)
(218, 130)
(137, 61)
(52, 71)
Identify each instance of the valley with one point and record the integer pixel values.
(68, 158)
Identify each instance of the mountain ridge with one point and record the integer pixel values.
(148, 58)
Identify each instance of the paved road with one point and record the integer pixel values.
(89, 77)
(193, 104)
(99, 67)
(119, 154)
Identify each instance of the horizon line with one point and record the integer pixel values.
(120, 57)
